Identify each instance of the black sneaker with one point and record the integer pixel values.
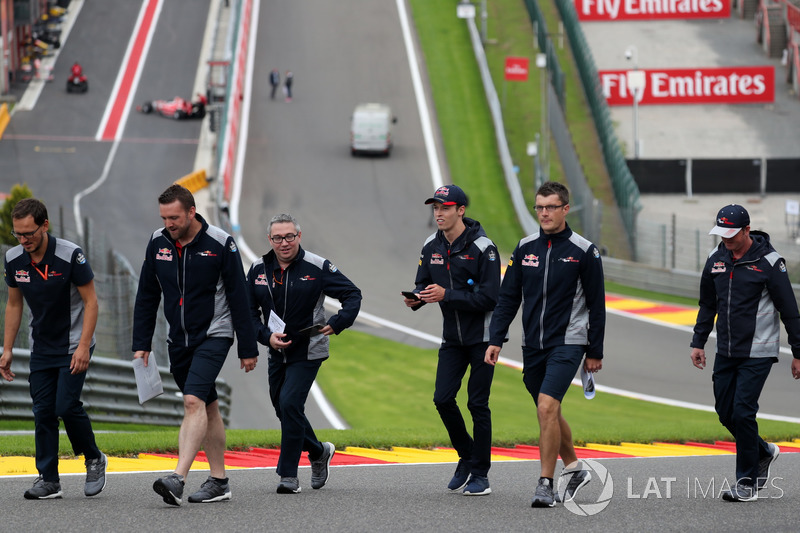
(765, 464)
(460, 477)
(170, 488)
(212, 490)
(44, 490)
(477, 486)
(95, 475)
(543, 497)
(289, 485)
(320, 467)
(740, 493)
(574, 479)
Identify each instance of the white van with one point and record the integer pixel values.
(371, 129)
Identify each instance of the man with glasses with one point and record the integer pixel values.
(287, 290)
(459, 269)
(198, 269)
(557, 276)
(54, 278)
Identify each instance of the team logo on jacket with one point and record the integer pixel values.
(782, 266)
(492, 255)
(261, 279)
(437, 259)
(332, 268)
(22, 276)
(717, 267)
(569, 259)
(596, 253)
(80, 258)
(233, 247)
(206, 253)
(754, 268)
(164, 254)
(309, 278)
(529, 260)
(467, 257)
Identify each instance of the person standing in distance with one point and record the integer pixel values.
(557, 276)
(289, 285)
(54, 278)
(198, 269)
(287, 85)
(459, 269)
(274, 82)
(746, 287)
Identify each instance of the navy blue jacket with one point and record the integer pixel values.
(558, 279)
(56, 306)
(466, 307)
(205, 293)
(297, 296)
(747, 297)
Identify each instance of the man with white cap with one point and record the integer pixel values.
(745, 284)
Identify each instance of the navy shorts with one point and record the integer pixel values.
(550, 371)
(196, 369)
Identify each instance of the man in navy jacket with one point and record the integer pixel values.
(746, 287)
(460, 269)
(557, 276)
(198, 269)
(287, 292)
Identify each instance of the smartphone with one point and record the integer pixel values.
(310, 330)
(410, 295)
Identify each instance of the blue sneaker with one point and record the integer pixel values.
(477, 486)
(460, 477)
(543, 497)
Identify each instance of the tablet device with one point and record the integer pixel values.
(410, 295)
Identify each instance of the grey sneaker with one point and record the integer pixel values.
(765, 464)
(289, 485)
(44, 490)
(95, 475)
(477, 486)
(740, 493)
(543, 497)
(320, 467)
(575, 479)
(212, 490)
(170, 488)
(460, 476)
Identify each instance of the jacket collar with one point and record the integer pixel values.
(271, 260)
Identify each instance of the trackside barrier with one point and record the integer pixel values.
(109, 394)
(195, 181)
(5, 118)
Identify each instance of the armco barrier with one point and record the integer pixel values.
(109, 394)
(195, 181)
(5, 118)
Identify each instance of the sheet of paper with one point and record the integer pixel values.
(275, 324)
(148, 380)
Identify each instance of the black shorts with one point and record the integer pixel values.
(551, 371)
(196, 369)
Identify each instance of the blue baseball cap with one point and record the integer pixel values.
(448, 195)
(730, 220)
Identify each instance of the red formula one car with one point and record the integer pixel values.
(177, 108)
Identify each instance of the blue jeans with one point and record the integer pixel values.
(453, 364)
(57, 394)
(289, 385)
(737, 386)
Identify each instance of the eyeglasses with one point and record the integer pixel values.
(277, 239)
(27, 234)
(548, 208)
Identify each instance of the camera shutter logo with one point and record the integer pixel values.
(600, 475)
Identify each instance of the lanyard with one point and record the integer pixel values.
(43, 274)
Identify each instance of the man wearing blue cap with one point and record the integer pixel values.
(460, 269)
(745, 284)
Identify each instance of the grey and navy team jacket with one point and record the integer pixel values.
(469, 271)
(297, 295)
(205, 293)
(51, 291)
(747, 296)
(558, 279)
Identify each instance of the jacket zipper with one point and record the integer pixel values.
(182, 284)
(544, 294)
(450, 275)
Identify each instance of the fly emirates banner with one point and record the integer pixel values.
(652, 9)
(717, 85)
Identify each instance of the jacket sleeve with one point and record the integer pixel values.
(338, 286)
(238, 300)
(423, 278)
(780, 290)
(508, 301)
(595, 293)
(148, 297)
(708, 309)
(262, 330)
(488, 285)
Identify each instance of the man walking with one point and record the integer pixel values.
(54, 278)
(198, 269)
(459, 269)
(745, 285)
(557, 276)
(288, 286)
